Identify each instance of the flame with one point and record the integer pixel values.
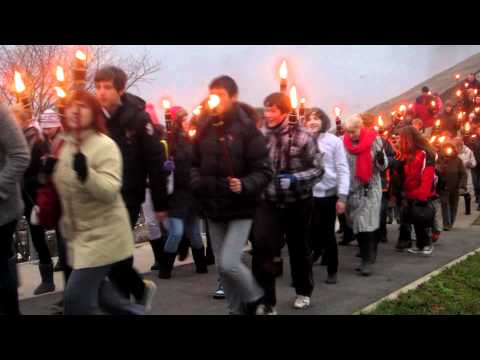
(60, 74)
(80, 55)
(393, 113)
(477, 109)
(457, 77)
(197, 111)
(166, 104)
(213, 101)
(60, 92)
(385, 133)
(283, 71)
(466, 85)
(19, 84)
(192, 132)
(433, 103)
(449, 151)
(293, 97)
(303, 101)
(459, 93)
(337, 110)
(475, 91)
(402, 108)
(376, 128)
(410, 106)
(467, 127)
(429, 93)
(460, 116)
(437, 123)
(441, 139)
(380, 121)
(474, 135)
(433, 138)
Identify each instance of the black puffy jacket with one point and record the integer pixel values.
(250, 160)
(143, 154)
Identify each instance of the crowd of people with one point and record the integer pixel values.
(279, 179)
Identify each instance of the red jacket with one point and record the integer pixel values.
(418, 181)
(424, 110)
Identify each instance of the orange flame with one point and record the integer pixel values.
(303, 101)
(433, 138)
(19, 84)
(449, 151)
(337, 110)
(166, 104)
(380, 121)
(477, 109)
(410, 106)
(467, 127)
(433, 103)
(441, 139)
(393, 113)
(385, 133)
(60, 92)
(429, 93)
(283, 71)
(466, 85)
(80, 55)
(457, 77)
(460, 116)
(293, 97)
(437, 123)
(192, 132)
(213, 101)
(402, 108)
(60, 74)
(197, 111)
(459, 93)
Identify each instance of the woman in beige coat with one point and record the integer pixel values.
(94, 219)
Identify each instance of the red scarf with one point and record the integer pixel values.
(364, 164)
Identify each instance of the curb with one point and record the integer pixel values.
(415, 284)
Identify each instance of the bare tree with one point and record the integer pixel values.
(38, 64)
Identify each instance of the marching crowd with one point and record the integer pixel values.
(281, 179)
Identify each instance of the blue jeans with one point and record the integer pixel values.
(177, 227)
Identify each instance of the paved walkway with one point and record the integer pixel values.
(188, 293)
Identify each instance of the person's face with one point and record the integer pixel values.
(274, 116)
(470, 77)
(226, 101)
(50, 132)
(78, 115)
(313, 123)
(448, 109)
(107, 95)
(354, 132)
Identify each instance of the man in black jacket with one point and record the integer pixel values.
(129, 125)
(230, 169)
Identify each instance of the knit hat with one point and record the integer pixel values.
(49, 119)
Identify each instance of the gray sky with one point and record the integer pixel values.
(355, 77)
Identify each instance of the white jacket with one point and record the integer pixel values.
(336, 179)
(468, 158)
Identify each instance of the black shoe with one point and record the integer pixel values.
(183, 249)
(47, 285)
(403, 245)
(166, 265)
(200, 260)
(331, 279)
(366, 269)
(58, 267)
(157, 248)
(316, 255)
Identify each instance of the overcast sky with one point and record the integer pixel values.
(356, 77)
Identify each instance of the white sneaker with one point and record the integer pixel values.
(427, 250)
(415, 250)
(150, 290)
(301, 302)
(263, 309)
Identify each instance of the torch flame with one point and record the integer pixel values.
(293, 97)
(429, 93)
(60, 92)
(213, 101)
(477, 109)
(459, 93)
(192, 132)
(19, 84)
(467, 127)
(385, 133)
(166, 104)
(337, 110)
(60, 74)
(402, 108)
(410, 106)
(197, 110)
(283, 72)
(80, 55)
(441, 139)
(449, 151)
(460, 116)
(433, 103)
(466, 85)
(303, 101)
(437, 123)
(432, 140)
(457, 77)
(393, 113)
(380, 121)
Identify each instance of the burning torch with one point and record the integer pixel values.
(168, 122)
(457, 78)
(21, 94)
(338, 121)
(466, 129)
(380, 125)
(192, 128)
(283, 72)
(59, 89)
(79, 71)
(301, 110)
(438, 124)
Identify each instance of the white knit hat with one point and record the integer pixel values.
(49, 119)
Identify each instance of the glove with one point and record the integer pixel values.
(379, 158)
(169, 165)
(286, 181)
(80, 166)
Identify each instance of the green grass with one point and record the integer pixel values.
(456, 291)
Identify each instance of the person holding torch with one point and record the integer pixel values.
(230, 170)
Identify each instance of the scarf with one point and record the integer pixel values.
(362, 150)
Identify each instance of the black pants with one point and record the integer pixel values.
(422, 233)
(368, 246)
(322, 231)
(381, 233)
(39, 239)
(271, 227)
(123, 275)
(8, 277)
